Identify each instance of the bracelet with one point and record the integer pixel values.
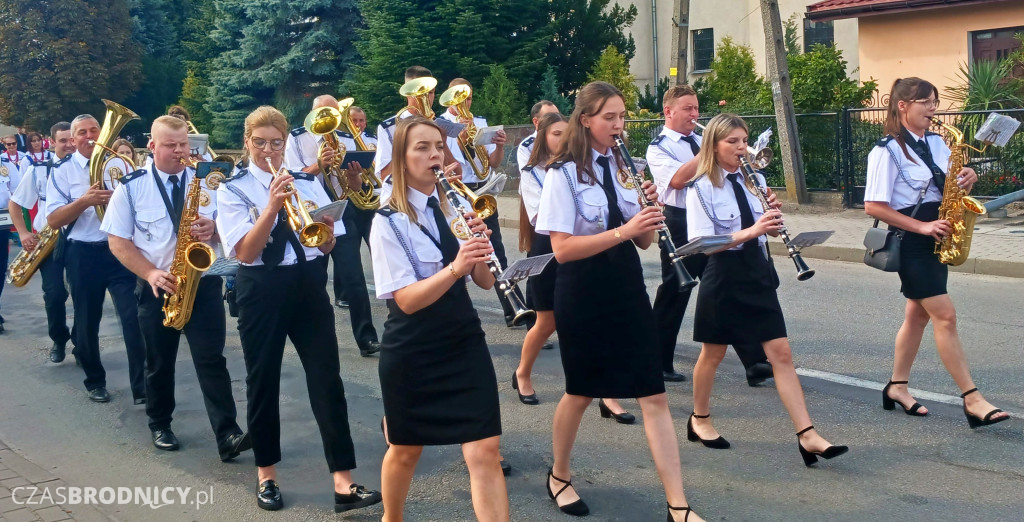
(451, 268)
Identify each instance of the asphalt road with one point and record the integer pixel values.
(842, 323)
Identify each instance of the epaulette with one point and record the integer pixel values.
(694, 181)
(390, 122)
(63, 161)
(239, 173)
(5, 160)
(528, 141)
(884, 141)
(658, 139)
(298, 174)
(556, 165)
(369, 134)
(134, 175)
(528, 167)
(343, 134)
(386, 211)
(930, 133)
(298, 132)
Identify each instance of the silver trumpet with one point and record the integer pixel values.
(761, 157)
(507, 287)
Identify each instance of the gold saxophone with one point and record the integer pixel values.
(957, 207)
(26, 264)
(191, 258)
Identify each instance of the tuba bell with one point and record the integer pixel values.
(457, 96)
(418, 88)
(117, 116)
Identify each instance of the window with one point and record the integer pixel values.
(818, 33)
(703, 49)
(994, 44)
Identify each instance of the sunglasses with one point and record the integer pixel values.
(261, 143)
(10, 143)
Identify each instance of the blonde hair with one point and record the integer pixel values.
(399, 197)
(717, 130)
(263, 116)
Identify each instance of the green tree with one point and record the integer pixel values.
(613, 67)
(549, 91)
(581, 30)
(198, 47)
(154, 27)
(791, 28)
(820, 82)
(652, 101)
(278, 53)
(62, 56)
(499, 99)
(734, 80)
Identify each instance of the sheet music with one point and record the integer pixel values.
(450, 128)
(198, 144)
(806, 239)
(5, 219)
(762, 140)
(224, 266)
(704, 244)
(334, 209)
(997, 129)
(486, 135)
(522, 268)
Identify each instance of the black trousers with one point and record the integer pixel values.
(291, 302)
(55, 298)
(670, 303)
(205, 332)
(5, 251)
(349, 281)
(92, 272)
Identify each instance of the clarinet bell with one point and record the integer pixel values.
(686, 281)
(803, 272)
(522, 314)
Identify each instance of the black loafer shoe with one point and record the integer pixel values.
(139, 401)
(673, 376)
(268, 496)
(58, 352)
(165, 440)
(370, 349)
(548, 346)
(506, 468)
(341, 303)
(234, 446)
(758, 373)
(99, 395)
(358, 497)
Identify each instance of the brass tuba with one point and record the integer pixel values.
(116, 118)
(324, 121)
(957, 207)
(456, 96)
(311, 233)
(418, 88)
(27, 263)
(191, 259)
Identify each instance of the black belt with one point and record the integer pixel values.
(87, 243)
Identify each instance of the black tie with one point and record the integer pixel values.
(925, 153)
(608, 184)
(693, 144)
(746, 216)
(273, 254)
(449, 245)
(177, 198)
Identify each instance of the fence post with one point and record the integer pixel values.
(845, 135)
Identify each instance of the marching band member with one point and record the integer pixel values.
(540, 289)
(92, 268)
(358, 117)
(281, 293)
(905, 179)
(595, 224)
(737, 301)
(142, 226)
(672, 158)
(301, 153)
(11, 165)
(437, 379)
(36, 153)
(182, 114)
(32, 190)
(525, 147)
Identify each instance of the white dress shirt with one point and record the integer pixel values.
(664, 159)
(137, 212)
(894, 179)
(32, 189)
(714, 210)
(531, 186)
(468, 174)
(580, 209)
(236, 217)
(15, 166)
(524, 149)
(401, 261)
(369, 140)
(9, 182)
(69, 181)
(303, 150)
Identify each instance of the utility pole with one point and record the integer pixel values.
(681, 39)
(782, 95)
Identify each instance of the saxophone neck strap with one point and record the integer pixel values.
(175, 216)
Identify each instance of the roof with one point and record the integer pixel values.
(837, 9)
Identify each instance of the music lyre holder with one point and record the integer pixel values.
(809, 239)
(527, 267)
(704, 245)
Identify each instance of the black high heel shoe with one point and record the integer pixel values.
(810, 457)
(672, 508)
(621, 418)
(691, 435)
(975, 421)
(576, 509)
(888, 403)
(530, 399)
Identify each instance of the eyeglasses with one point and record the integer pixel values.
(930, 102)
(10, 143)
(261, 143)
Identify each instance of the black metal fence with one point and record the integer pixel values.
(835, 146)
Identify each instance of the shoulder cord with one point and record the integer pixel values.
(711, 215)
(666, 151)
(576, 199)
(254, 212)
(405, 246)
(899, 170)
(131, 205)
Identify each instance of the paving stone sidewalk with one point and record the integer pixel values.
(997, 247)
(21, 486)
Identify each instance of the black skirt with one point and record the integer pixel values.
(921, 272)
(436, 376)
(606, 329)
(540, 289)
(737, 302)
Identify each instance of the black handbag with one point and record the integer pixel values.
(883, 245)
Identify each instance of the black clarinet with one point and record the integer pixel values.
(803, 272)
(686, 281)
(522, 313)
